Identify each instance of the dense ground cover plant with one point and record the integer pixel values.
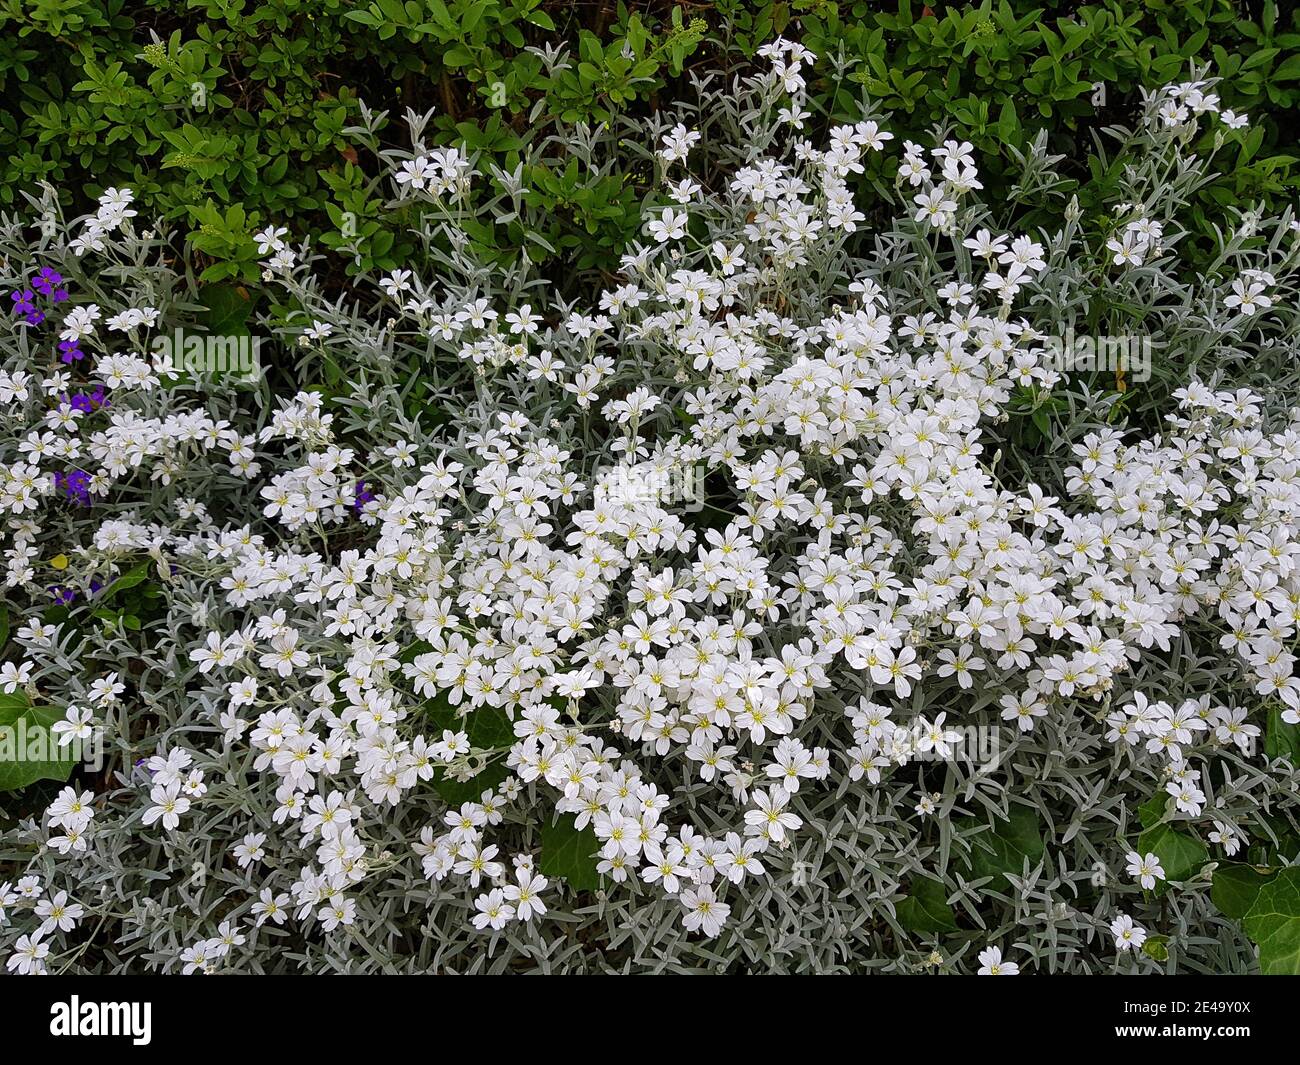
(722, 619)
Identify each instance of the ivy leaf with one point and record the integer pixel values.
(1280, 739)
(1235, 887)
(1152, 812)
(489, 729)
(570, 854)
(1003, 851)
(1277, 845)
(926, 909)
(1180, 854)
(1156, 947)
(228, 309)
(29, 751)
(1273, 923)
(455, 792)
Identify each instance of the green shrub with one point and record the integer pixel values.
(221, 114)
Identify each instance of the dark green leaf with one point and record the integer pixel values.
(228, 309)
(1273, 923)
(135, 575)
(1156, 947)
(1180, 854)
(1235, 887)
(489, 729)
(1005, 850)
(925, 909)
(29, 751)
(1280, 739)
(570, 854)
(1152, 812)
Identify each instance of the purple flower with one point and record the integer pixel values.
(45, 279)
(76, 484)
(63, 596)
(361, 496)
(25, 306)
(86, 402)
(69, 352)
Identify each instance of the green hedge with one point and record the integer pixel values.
(226, 114)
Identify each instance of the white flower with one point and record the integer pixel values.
(670, 225)
(991, 963)
(28, 958)
(168, 806)
(1145, 868)
(1128, 936)
(77, 724)
(705, 913)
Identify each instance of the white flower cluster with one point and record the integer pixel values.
(114, 213)
(439, 172)
(56, 912)
(422, 616)
(526, 610)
